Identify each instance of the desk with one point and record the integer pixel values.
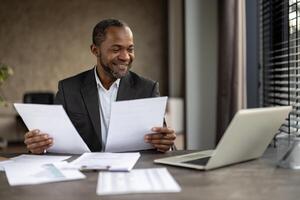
(258, 179)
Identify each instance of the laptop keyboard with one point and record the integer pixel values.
(200, 161)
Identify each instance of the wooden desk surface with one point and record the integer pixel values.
(258, 179)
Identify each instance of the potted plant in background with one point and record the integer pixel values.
(5, 72)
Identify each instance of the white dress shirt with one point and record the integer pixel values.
(106, 97)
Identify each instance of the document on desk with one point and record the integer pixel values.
(52, 119)
(106, 161)
(34, 159)
(33, 173)
(39, 159)
(3, 163)
(131, 120)
(155, 180)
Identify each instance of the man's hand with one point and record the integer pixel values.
(37, 142)
(162, 138)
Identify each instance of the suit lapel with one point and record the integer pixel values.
(91, 99)
(90, 96)
(126, 89)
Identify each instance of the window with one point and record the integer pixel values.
(280, 57)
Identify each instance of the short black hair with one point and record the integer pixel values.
(99, 30)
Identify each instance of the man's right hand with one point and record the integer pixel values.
(37, 142)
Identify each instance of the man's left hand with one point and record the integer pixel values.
(162, 139)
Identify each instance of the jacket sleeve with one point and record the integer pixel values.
(60, 98)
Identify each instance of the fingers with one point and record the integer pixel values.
(37, 142)
(40, 150)
(162, 148)
(162, 139)
(161, 133)
(162, 130)
(159, 136)
(32, 133)
(36, 139)
(41, 144)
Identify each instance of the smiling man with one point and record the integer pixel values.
(87, 97)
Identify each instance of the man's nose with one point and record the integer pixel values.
(124, 55)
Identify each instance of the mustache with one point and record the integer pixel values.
(122, 63)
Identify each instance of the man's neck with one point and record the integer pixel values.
(105, 79)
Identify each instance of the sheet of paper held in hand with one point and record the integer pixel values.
(53, 120)
(131, 120)
(155, 180)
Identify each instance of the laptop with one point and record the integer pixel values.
(246, 138)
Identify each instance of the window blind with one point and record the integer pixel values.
(280, 57)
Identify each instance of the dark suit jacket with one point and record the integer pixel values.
(79, 97)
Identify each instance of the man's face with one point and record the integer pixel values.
(116, 52)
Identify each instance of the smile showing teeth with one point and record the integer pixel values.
(122, 66)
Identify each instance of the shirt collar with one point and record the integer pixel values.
(116, 83)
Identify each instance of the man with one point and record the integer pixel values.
(87, 97)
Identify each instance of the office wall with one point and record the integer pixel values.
(47, 40)
(176, 48)
(252, 25)
(201, 72)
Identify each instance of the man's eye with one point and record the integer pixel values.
(115, 50)
(130, 50)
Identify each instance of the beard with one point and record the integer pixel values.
(112, 71)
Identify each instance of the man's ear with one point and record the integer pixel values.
(95, 50)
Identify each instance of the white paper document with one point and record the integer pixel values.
(131, 120)
(155, 180)
(3, 163)
(33, 173)
(53, 120)
(34, 159)
(38, 159)
(106, 161)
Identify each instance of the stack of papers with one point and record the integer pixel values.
(156, 180)
(37, 169)
(2, 163)
(30, 174)
(106, 161)
(36, 159)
